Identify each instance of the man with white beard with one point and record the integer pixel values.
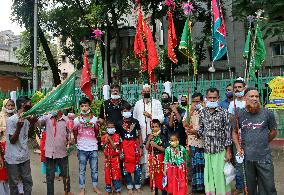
(144, 111)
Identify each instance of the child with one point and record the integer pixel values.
(156, 144)
(131, 149)
(175, 167)
(85, 129)
(110, 142)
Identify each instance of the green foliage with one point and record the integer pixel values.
(273, 21)
(23, 53)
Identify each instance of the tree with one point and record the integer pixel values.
(21, 13)
(273, 14)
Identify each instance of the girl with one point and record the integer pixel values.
(175, 167)
(110, 142)
(156, 144)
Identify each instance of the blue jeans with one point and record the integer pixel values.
(116, 184)
(84, 157)
(239, 172)
(137, 179)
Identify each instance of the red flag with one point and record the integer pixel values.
(86, 83)
(139, 46)
(153, 60)
(172, 38)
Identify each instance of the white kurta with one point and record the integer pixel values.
(157, 113)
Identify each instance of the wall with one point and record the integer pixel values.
(9, 83)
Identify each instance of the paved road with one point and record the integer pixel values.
(40, 187)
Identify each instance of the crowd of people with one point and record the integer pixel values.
(175, 146)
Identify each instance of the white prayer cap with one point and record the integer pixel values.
(146, 86)
(240, 79)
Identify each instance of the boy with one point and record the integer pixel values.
(131, 149)
(156, 144)
(85, 130)
(110, 142)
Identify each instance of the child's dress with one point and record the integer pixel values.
(111, 164)
(175, 160)
(156, 162)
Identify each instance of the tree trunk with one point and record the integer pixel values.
(49, 57)
(117, 43)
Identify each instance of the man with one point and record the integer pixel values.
(57, 137)
(215, 132)
(257, 127)
(195, 144)
(165, 100)
(144, 111)
(238, 102)
(111, 109)
(174, 121)
(17, 151)
(229, 97)
(184, 102)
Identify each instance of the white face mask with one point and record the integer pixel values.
(211, 104)
(110, 131)
(126, 114)
(115, 97)
(9, 111)
(87, 112)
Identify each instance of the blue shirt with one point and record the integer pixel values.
(224, 104)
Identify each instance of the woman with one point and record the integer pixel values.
(8, 110)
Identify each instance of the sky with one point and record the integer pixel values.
(5, 22)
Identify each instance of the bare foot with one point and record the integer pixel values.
(139, 191)
(236, 191)
(82, 191)
(130, 192)
(69, 193)
(96, 190)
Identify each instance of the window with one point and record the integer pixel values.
(278, 49)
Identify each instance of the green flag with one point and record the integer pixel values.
(97, 67)
(247, 46)
(258, 53)
(61, 97)
(186, 46)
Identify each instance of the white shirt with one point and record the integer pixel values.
(86, 140)
(239, 104)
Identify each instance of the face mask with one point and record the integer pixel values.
(126, 114)
(198, 106)
(174, 144)
(85, 112)
(110, 131)
(211, 104)
(9, 111)
(183, 103)
(146, 95)
(114, 97)
(229, 94)
(240, 94)
(165, 100)
(54, 114)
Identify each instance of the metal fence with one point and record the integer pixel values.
(133, 92)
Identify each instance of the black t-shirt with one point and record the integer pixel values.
(132, 132)
(112, 111)
(255, 130)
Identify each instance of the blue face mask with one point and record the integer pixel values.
(240, 94)
(54, 113)
(198, 106)
(110, 131)
(211, 104)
